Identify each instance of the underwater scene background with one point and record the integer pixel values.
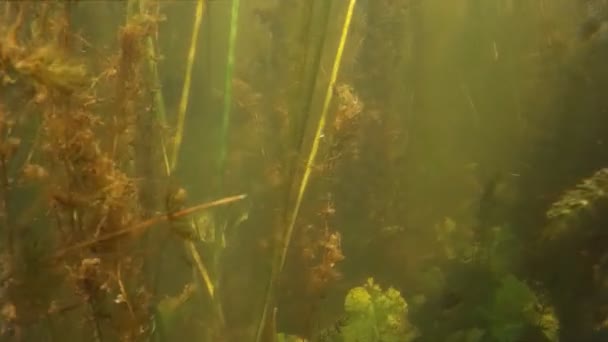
(304, 170)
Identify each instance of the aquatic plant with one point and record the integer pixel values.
(515, 306)
(183, 104)
(289, 338)
(372, 314)
(228, 84)
(306, 175)
(88, 177)
(585, 197)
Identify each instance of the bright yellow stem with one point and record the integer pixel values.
(319, 132)
(183, 105)
(309, 166)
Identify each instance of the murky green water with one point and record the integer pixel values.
(289, 170)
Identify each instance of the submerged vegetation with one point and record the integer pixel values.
(323, 171)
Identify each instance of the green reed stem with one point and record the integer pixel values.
(234, 19)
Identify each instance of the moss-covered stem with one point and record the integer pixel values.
(152, 52)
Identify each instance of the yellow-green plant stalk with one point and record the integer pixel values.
(183, 104)
(278, 267)
(234, 20)
(318, 134)
(181, 118)
(309, 71)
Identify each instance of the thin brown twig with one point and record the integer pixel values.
(142, 226)
(123, 291)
